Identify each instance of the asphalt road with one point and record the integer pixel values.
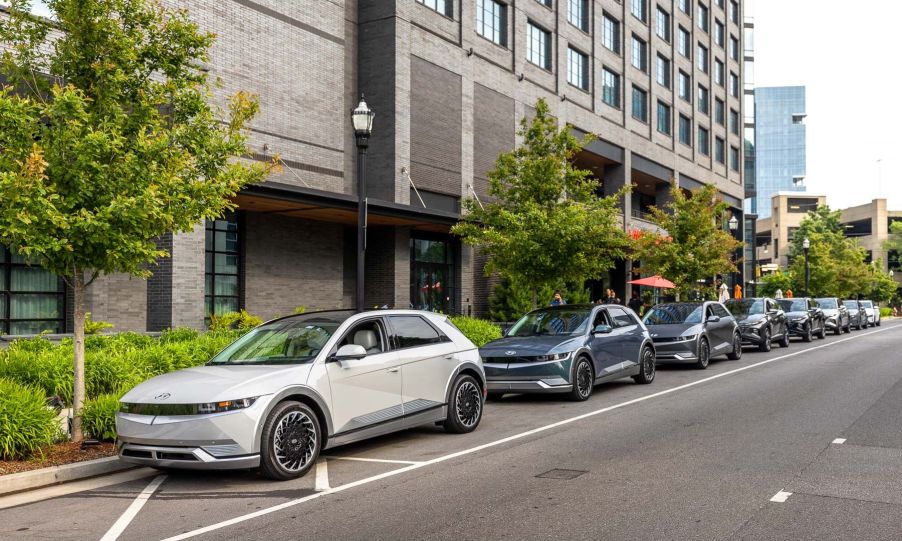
(798, 443)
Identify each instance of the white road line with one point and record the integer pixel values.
(380, 460)
(374, 478)
(116, 530)
(839, 441)
(322, 475)
(781, 496)
(65, 489)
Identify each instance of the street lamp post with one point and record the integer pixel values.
(734, 226)
(362, 119)
(805, 245)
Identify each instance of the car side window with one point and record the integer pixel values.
(413, 331)
(601, 318)
(368, 334)
(720, 311)
(771, 305)
(620, 317)
(709, 311)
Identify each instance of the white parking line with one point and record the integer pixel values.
(380, 460)
(781, 496)
(839, 441)
(322, 475)
(521, 435)
(116, 530)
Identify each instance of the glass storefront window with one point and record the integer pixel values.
(221, 284)
(32, 299)
(432, 275)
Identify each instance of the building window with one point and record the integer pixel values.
(491, 21)
(32, 299)
(663, 71)
(718, 33)
(640, 54)
(539, 46)
(734, 85)
(702, 58)
(734, 48)
(734, 121)
(685, 130)
(719, 109)
(719, 3)
(577, 69)
(719, 150)
(432, 275)
(610, 89)
(610, 33)
(640, 104)
(718, 72)
(578, 13)
(703, 144)
(546, 3)
(703, 16)
(222, 263)
(683, 43)
(734, 158)
(663, 118)
(685, 86)
(703, 99)
(663, 25)
(445, 7)
(734, 11)
(640, 9)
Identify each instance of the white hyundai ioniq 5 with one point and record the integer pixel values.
(294, 386)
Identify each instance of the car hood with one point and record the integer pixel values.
(749, 319)
(830, 312)
(526, 346)
(203, 384)
(672, 331)
(796, 315)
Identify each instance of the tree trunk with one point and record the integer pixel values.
(78, 394)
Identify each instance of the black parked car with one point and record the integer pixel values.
(761, 321)
(858, 316)
(836, 314)
(805, 318)
(693, 332)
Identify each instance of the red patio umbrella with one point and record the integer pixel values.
(653, 281)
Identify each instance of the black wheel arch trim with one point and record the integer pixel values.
(469, 367)
(325, 415)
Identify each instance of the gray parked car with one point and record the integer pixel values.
(873, 312)
(569, 349)
(858, 317)
(836, 314)
(693, 332)
(805, 318)
(761, 321)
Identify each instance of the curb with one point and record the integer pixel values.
(18, 482)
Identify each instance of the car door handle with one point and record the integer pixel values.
(449, 357)
(393, 370)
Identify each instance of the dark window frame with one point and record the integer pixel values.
(6, 291)
(211, 227)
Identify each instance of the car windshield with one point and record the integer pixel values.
(552, 322)
(292, 340)
(826, 304)
(745, 307)
(867, 304)
(851, 304)
(793, 305)
(673, 314)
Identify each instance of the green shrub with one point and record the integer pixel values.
(26, 423)
(99, 416)
(48, 368)
(180, 334)
(241, 321)
(479, 331)
(94, 327)
(885, 312)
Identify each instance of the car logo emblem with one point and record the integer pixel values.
(162, 396)
(510, 352)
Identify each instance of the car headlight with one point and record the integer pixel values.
(187, 409)
(686, 338)
(758, 324)
(800, 319)
(553, 357)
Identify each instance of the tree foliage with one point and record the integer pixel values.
(545, 225)
(109, 140)
(770, 283)
(510, 300)
(695, 246)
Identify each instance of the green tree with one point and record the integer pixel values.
(545, 224)
(877, 285)
(770, 283)
(509, 300)
(695, 244)
(109, 140)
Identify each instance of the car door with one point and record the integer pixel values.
(713, 330)
(777, 317)
(604, 347)
(629, 335)
(723, 328)
(368, 390)
(428, 358)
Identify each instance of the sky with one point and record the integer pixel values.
(846, 55)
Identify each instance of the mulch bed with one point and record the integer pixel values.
(57, 455)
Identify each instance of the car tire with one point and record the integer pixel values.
(647, 367)
(583, 379)
(823, 332)
(290, 442)
(878, 322)
(465, 405)
(765, 344)
(704, 354)
(838, 330)
(784, 341)
(806, 336)
(736, 354)
(848, 328)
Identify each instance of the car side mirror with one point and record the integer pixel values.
(602, 329)
(713, 319)
(349, 352)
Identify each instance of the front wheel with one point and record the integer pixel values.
(736, 354)
(784, 340)
(806, 336)
(583, 380)
(291, 441)
(646, 367)
(878, 322)
(765, 340)
(838, 330)
(848, 328)
(823, 332)
(704, 354)
(465, 406)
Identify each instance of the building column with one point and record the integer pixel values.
(615, 178)
(188, 258)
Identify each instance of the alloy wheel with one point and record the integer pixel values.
(583, 378)
(648, 365)
(469, 403)
(294, 441)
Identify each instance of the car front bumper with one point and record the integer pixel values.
(685, 351)
(751, 336)
(529, 377)
(797, 328)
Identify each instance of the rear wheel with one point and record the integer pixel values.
(583, 380)
(291, 441)
(465, 406)
(765, 340)
(736, 354)
(878, 322)
(646, 367)
(704, 354)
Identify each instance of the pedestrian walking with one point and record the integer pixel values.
(737, 291)
(788, 293)
(723, 294)
(558, 300)
(778, 294)
(635, 303)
